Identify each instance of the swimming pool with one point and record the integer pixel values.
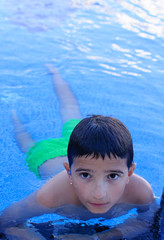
(115, 46)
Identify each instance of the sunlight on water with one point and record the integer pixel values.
(136, 16)
(146, 21)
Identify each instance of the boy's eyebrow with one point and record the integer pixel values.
(83, 169)
(114, 171)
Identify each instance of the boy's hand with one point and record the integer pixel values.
(23, 233)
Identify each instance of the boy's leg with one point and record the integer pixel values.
(24, 139)
(69, 110)
(50, 167)
(68, 104)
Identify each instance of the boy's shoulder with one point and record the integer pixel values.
(138, 191)
(57, 192)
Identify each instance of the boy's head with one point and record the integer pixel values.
(98, 135)
(100, 154)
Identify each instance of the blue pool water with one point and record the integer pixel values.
(110, 53)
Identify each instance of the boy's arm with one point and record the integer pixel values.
(19, 212)
(23, 233)
(53, 194)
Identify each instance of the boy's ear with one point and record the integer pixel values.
(67, 167)
(131, 169)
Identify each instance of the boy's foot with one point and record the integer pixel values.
(52, 68)
(14, 117)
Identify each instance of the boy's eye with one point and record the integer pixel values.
(85, 175)
(113, 176)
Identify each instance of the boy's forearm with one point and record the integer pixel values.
(128, 230)
(19, 212)
(10, 217)
(23, 233)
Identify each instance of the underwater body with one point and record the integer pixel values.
(129, 223)
(122, 221)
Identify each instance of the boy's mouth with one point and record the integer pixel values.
(99, 204)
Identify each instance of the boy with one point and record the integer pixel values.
(100, 170)
(99, 174)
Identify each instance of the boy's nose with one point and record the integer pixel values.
(99, 191)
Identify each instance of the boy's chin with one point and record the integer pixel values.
(99, 210)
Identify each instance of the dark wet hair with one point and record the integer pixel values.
(98, 135)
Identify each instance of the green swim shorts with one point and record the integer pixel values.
(50, 148)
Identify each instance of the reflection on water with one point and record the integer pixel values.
(134, 15)
(38, 15)
(146, 21)
(140, 16)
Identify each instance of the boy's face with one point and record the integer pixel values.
(99, 183)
